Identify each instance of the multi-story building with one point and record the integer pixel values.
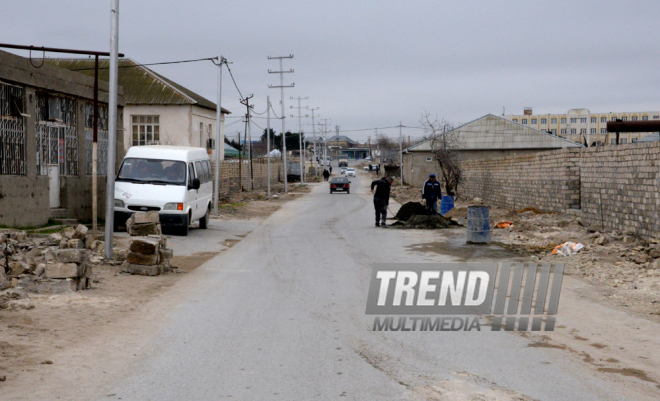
(580, 125)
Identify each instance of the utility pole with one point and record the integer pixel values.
(282, 86)
(219, 138)
(314, 134)
(325, 141)
(302, 172)
(336, 133)
(248, 136)
(112, 129)
(268, 139)
(400, 154)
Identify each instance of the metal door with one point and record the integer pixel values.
(54, 185)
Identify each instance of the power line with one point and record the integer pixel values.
(232, 78)
(146, 65)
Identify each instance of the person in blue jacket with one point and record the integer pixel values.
(431, 192)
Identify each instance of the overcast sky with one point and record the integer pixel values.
(372, 64)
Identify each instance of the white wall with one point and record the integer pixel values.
(178, 124)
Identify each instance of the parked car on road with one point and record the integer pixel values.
(343, 170)
(350, 172)
(340, 184)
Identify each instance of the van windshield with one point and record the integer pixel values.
(152, 171)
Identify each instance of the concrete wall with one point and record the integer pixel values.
(613, 186)
(24, 202)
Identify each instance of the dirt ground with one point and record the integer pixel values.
(623, 266)
(33, 330)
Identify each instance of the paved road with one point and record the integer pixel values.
(280, 315)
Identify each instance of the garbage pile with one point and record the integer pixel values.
(148, 254)
(413, 215)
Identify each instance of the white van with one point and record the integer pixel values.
(174, 180)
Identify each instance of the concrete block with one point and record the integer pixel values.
(62, 270)
(68, 255)
(142, 259)
(76, 244)
(148, 217)
(18, 268)
(144, 245)
(166, 254)
(67, 232)
(143, 270)
(80, 232)
(161, 238)
(48, 286)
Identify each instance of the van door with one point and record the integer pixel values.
(205, 188)
(192, 194)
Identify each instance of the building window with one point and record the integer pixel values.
(534, 121)
(583, 131)
(593, 120)
(553, 121)
(563, 121)
(573, 120)
(603, 130)
(524, 121)
(624, 140)
(612, 141)
(656, 117)
(645, 118)
(428, 159)
(146, 130)
(633, 118)
(515, 120)
(624, 118)
(553, 131)
(593, 130)
(583, 120)
(603, 119)
(563, 131)
(634, 140)
(544, 121)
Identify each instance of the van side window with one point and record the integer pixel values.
(205, 171)
(200, 172)
(211, 173)
(191, 174)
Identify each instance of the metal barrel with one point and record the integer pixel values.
(478, 225)
(446, 204)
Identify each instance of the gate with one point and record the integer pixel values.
(57, 134)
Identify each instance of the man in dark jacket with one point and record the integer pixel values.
(381, 199)
(431, 191)
(326, 174)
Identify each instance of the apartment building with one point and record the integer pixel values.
(579, 124)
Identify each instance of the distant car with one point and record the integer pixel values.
(350, 172)
(340, 184)
(373, 167)
(367, 158)
(343, 171)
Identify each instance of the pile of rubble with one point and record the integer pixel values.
(147, 254)
(58, 264)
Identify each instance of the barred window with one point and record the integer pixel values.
(145, 130)
(544, 121)
(553, 121)
(12, 130)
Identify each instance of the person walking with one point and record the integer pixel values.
(326, 174)
(381, 199)
(330, 168)
(431, 192)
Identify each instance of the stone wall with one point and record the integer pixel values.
(235, 175)
(613, 186)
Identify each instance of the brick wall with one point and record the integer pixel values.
(235, 175)
(616, 186)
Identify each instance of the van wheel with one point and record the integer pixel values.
(204, 221)
(183, 230)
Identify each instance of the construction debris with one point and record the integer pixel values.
(147, 253)
(407, 210)
(567, 248)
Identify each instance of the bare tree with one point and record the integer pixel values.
(385, 142)
(444, 144)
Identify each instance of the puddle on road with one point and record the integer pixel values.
(454, 245)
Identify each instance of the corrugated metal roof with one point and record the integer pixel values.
(141, 85)
(340, 138)
(491, 132)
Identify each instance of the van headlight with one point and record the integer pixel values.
(119, 203)
(173, 206)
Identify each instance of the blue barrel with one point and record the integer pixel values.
(478, 225)
(446, 204)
